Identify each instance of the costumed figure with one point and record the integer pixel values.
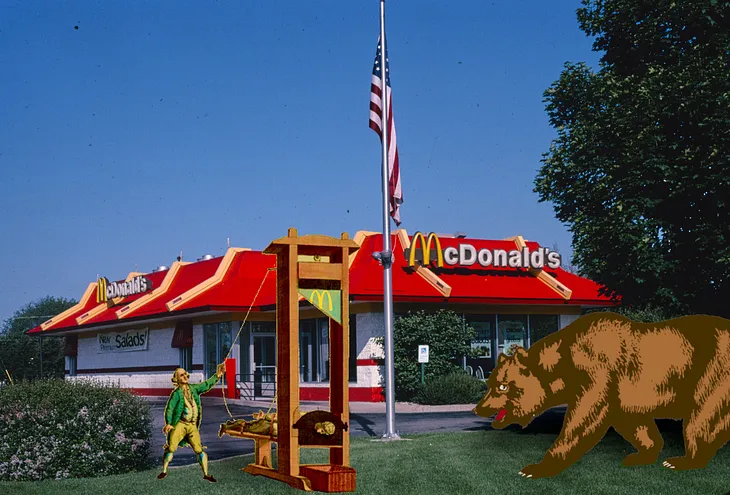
(183, 415)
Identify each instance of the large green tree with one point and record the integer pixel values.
(20, 353)
(639, 171)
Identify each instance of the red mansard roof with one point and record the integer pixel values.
(366, 273)
(239, 285)
(230, 283)
(468, 284)
(109, 314)
(188, 275)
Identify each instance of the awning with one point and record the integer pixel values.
(183, 336)
(71, 348)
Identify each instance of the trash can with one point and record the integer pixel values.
(257, 379)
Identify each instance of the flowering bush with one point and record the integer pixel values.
(61, 429)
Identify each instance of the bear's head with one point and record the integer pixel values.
(514, 393)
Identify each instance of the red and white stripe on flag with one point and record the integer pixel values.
(395, 192)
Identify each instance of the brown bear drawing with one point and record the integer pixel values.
(612, 371)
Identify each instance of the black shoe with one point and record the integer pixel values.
(210, 478)
(161, 476)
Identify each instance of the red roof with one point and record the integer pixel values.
(68, 317)
(110, 313)
(240, 284)
(187, 276)
(231, 283)
(469, 284)
(366, 273)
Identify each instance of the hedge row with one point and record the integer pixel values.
(61, 429)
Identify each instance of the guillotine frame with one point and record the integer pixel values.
(292, 274)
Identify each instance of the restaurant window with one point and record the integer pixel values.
(314, 350)
(186, 358)
(479, 361)
(481, 344)
(542, 325)
(308, 358)
(263, 337)
(511, 331)
(71, 365)
(70, 351)
(217, 342)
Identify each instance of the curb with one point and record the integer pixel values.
(355, 407)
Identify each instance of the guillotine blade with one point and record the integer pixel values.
(328, 301)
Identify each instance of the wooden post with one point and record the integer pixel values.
(287, 346)
(339, 369)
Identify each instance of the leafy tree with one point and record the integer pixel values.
(644, 314)
(640, 168)
(20, 353)
(448, 339)
(565, 263)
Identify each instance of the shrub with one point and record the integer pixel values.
(64, 429)
(454, 388)
(448, 338)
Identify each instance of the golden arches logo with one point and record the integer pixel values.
(320, 295)
(101, 286)
(426, 248)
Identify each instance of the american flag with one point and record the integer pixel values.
(376, 111)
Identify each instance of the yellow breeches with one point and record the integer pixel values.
(184, 431)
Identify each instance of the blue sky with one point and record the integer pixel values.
(157, 127)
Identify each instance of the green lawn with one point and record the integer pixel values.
(481, 462)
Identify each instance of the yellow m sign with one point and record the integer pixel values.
(101, 286)
(320, 296)
(327, 301)
(426, 249)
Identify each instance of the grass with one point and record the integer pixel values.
(483, 462)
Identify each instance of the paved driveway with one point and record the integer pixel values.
(361, 424)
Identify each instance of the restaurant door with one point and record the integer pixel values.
(264, 357)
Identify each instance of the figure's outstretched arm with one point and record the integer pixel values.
(208, 384)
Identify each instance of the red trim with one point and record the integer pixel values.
(164, 392)
(370, 362)
(357, 394)
(478, 300)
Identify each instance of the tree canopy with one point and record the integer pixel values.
(639, 170)
(20, 353)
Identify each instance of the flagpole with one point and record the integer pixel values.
(386, 255)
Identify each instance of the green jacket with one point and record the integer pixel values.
(176, 403)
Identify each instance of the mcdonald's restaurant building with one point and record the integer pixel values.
(135, 331)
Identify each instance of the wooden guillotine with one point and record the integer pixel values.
(327, 282)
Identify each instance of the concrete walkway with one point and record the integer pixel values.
(366, 419)
(358, 407)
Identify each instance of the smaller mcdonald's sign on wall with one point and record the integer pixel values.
(327, 301)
